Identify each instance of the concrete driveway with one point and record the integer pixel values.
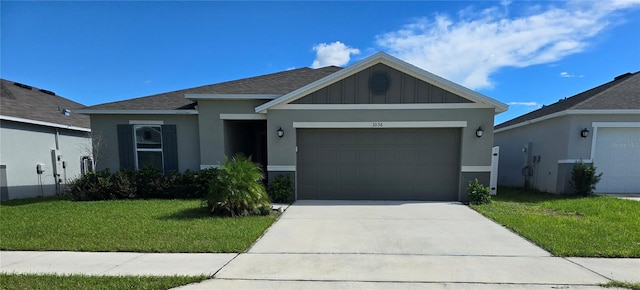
(390, 227)
(369, 244)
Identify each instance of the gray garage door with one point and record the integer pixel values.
(385, 164)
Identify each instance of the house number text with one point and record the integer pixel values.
(378, 125)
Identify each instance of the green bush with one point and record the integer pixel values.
(123, 184)
(191, 184)
(92, 186)
(281, 189)
(584, 178)
(103, 185)
(146, 183)
(150, 183)
(237, 189)
(478, 193)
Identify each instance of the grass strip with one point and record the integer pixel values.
(569, 226)
(33, 281)
(620, 284)
(44, 224)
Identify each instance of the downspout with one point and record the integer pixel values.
(56, 171)
(57, 139)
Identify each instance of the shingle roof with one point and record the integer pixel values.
(622, 93)
(28, 102)
(279, 83)
(394, 63)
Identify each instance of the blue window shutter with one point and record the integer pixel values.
(170, 148)
(126, 146)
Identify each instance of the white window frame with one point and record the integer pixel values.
(135, 144)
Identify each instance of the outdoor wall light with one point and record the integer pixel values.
(479, 132)
(280, 132)
(584, 133)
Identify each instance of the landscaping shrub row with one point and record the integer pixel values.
(235, 189)
(145, 183)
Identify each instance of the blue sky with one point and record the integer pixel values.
(523, 53)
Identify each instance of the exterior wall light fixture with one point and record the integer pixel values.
(280, 132)
(479, 132)
(584, 133)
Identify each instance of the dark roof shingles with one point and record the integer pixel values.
(279, 83)
(34, 104)
(624, 96)
(621, 93)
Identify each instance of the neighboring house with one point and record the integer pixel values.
(42, 141)
(379, 129)
(600, 126)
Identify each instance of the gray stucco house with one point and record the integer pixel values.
(601, 126)
(378, 129)
(39, 130)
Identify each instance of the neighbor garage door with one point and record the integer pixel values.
(383, 164)
(617, 156)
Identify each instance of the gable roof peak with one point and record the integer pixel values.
(391, 61)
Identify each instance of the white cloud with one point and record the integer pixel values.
(621, 4)
(470, 49)
(336, 53)
(525, 104)
(565, 74)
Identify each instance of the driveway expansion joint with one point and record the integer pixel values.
(404, 282)
(586, 268)
(225, 264)
(394, 254)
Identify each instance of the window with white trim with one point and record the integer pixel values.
(148, 147)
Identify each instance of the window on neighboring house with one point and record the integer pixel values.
(148, 145)
(86, 164)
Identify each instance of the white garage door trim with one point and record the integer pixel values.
(381, 124)
(475, 168)
(621, 178)
(597, 125)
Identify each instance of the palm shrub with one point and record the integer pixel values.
(478, 193)
(584, 178)
(280, 189)
(237, 189)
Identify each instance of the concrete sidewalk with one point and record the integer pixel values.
(339, 271)
(113, 263)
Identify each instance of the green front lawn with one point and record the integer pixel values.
(124, 225)
(31, 281)
(598, 226)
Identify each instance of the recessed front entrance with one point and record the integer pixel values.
(380, 164)
(246, 137)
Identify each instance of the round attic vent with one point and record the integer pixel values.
(379, 83)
